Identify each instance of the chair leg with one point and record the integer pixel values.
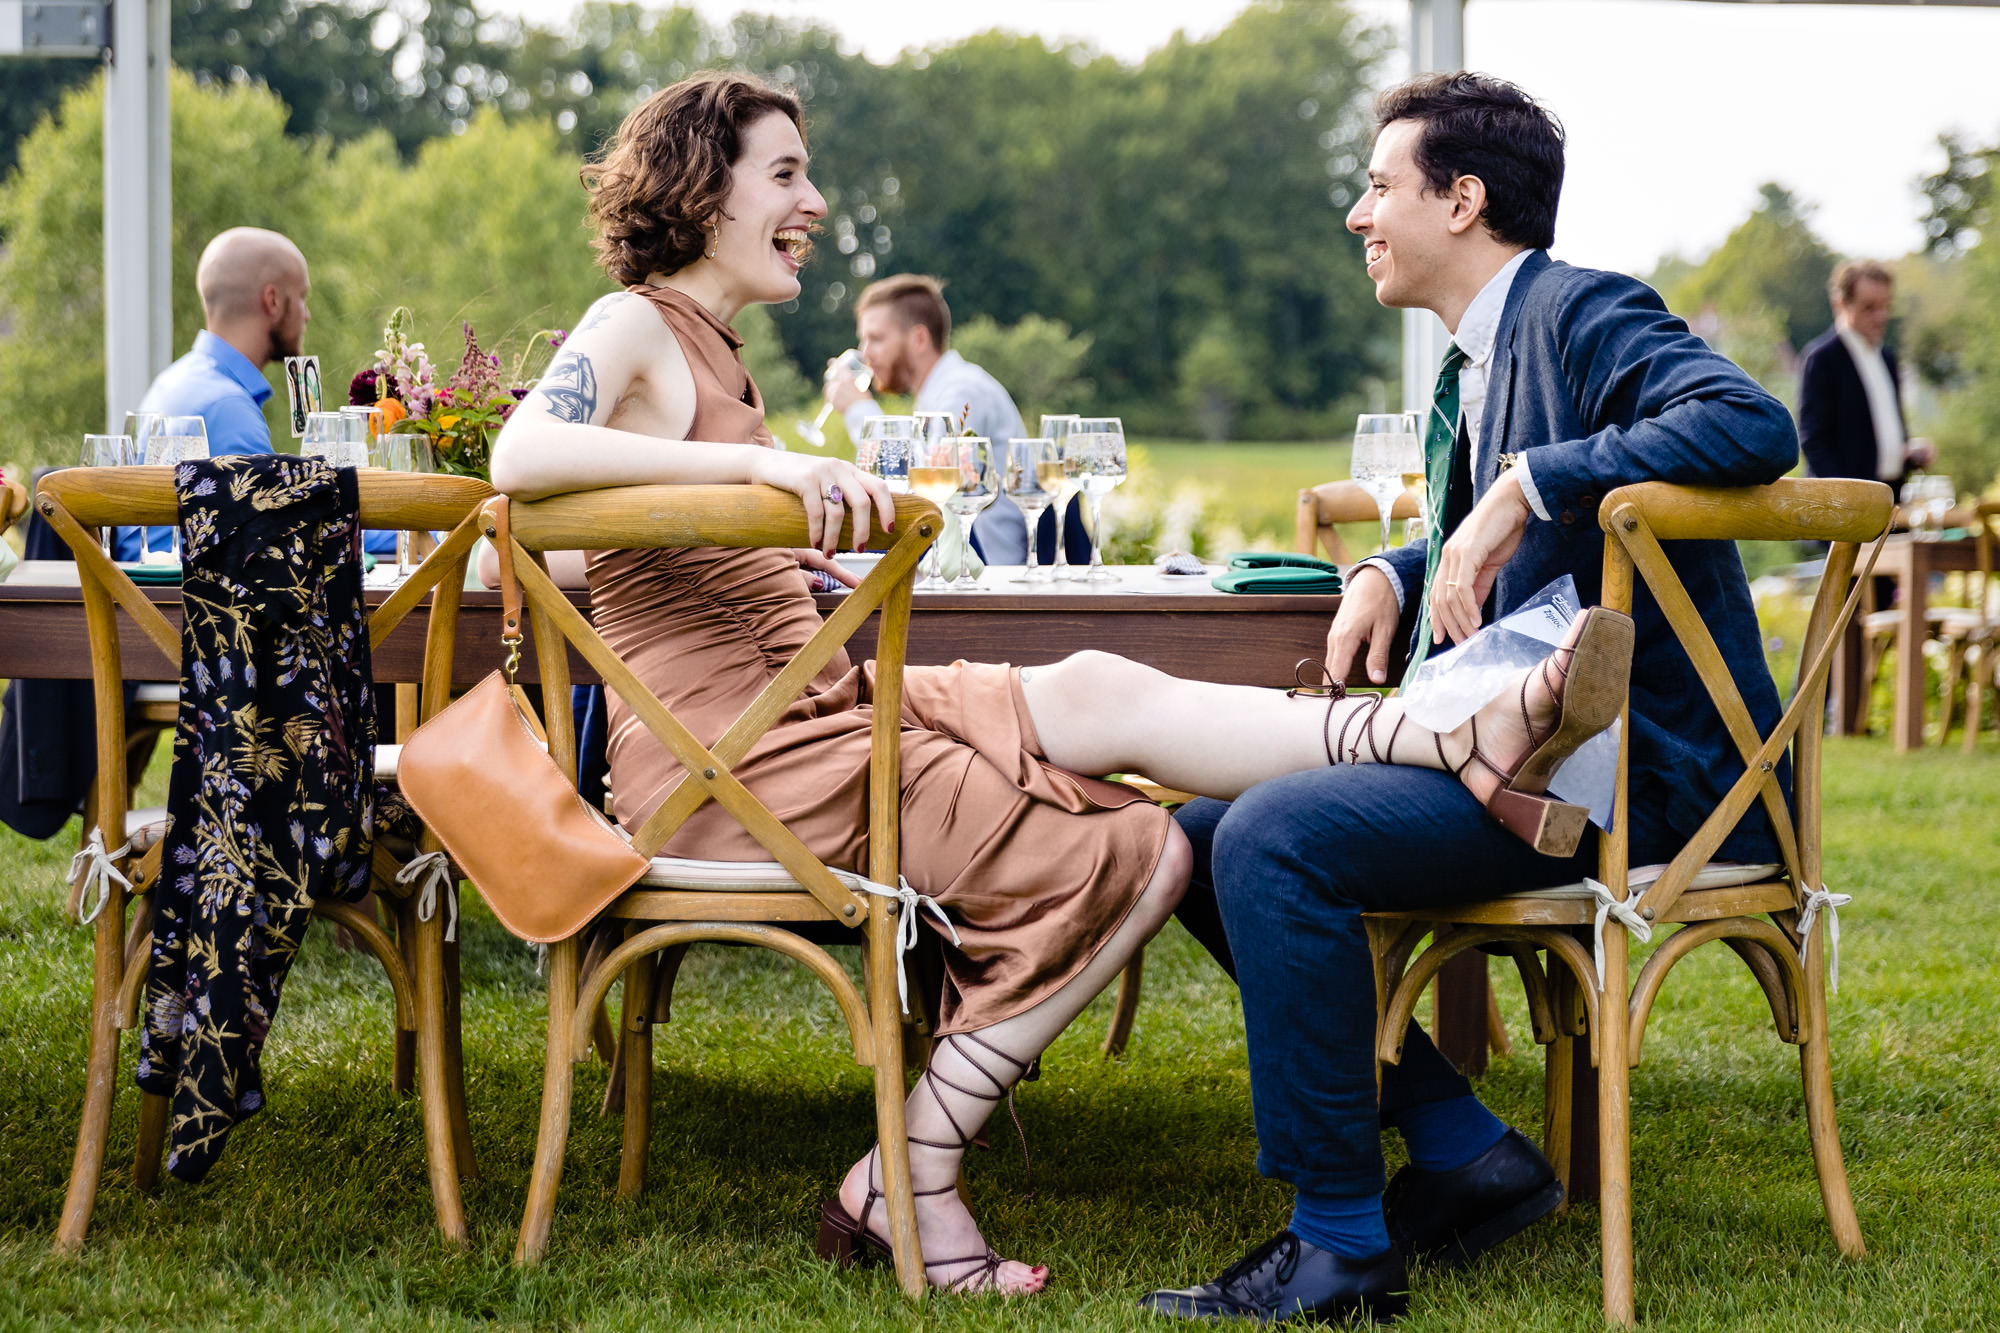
(153, 1115)
(1816, 1068)
(1954, 667)
(553, 1135)
(1496, 1026)
(1558, 1077)
(1975, 695)
(885, 1018)
(434, 1084)
(1127, 1006)
(93, 1129)
(1614, 1129)
(454, 1065)
(403, 1073)
(635, 1038)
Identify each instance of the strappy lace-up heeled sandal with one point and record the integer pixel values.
(1591, 674)
(850, 1242)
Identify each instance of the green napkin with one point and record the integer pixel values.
(1281, 560)
(151, 576)
(1279, 580)
(954, 550)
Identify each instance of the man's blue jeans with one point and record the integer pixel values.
(1292, 865)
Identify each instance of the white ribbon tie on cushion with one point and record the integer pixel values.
(95, 865)
(1609, 906)
(1824, 899)
(906, 925)
(435, 867)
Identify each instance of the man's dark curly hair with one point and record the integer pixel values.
(666, 172)
(1477, 125)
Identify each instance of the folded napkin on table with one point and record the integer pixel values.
(152, 575)
(953, 550)
(1278, 572)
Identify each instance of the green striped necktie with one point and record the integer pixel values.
(1440, 440)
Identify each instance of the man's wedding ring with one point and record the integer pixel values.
(1451, 583)
(834, 496)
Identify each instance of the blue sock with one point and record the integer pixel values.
(1443, 1136)
(1350, 1226)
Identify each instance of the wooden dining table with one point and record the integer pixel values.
(1911, 563)
(1179, 624)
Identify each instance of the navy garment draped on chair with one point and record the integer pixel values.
(273, 776)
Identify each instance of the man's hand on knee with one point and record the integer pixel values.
(1368, 615)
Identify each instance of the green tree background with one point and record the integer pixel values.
(1094, 220)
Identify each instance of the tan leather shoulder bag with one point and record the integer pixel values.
(545, 861)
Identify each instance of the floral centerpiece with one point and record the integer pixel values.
(463, 416)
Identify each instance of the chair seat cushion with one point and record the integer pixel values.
(386, 759)
(672, 872)
(1714, 875)
(145, 827)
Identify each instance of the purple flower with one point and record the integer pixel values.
(364, 389)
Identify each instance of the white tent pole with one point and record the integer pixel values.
(1437, 42)
(138, 206)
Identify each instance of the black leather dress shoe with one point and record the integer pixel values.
(1452, 1217)
(1288, 1278)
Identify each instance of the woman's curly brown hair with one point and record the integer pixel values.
(666, 172)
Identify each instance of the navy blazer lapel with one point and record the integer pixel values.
(1500, 372)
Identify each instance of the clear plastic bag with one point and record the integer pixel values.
(1451, 686)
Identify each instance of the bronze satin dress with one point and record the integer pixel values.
(1036, 866)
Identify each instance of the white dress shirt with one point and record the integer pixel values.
(1478, 329)
(953, 383)
(1890, 446)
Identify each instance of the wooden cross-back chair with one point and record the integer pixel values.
(1767, 914)
(78, 501)
(1969, 632)
(679, 903)
(1323, 507)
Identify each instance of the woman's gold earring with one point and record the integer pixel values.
(714, 239)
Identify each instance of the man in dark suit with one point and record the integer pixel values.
(1851, 424)
(1561, 385)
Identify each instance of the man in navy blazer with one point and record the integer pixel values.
(1572, 383)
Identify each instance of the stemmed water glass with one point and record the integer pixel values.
(1032, 478)
(108, 451)
(175, 440)
(1055, 429)
(972, 456)
(1098, 446)
(813, 432)
(400, 453)
(1388, 459)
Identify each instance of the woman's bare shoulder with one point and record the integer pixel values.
(657, 396)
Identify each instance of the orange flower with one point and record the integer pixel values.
(392, 412)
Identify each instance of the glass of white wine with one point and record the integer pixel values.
(1055, 429)
(1033, 478)
(934, 476)
(814, 432)
(1387, 458)
(1098, 445)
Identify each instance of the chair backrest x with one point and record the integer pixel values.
(1636, 520)
(642, 517)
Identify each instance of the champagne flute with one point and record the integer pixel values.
(813, 432)
(973, 459)
(1056, 428)
(176, 440)
(1099, 447)
(108, 451)
(1033, 476)
(1384, 444)
(1409, 452)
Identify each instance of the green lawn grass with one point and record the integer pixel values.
(319, 1215)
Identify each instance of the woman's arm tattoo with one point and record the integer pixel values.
(570, 385)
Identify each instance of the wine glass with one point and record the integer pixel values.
(934, 474)
(108, 451)
(813, 432)
(1387, 459)
(972, 456)
(1098, 445)
(176, 440)
(1055, 429)
(1033, 476)
(341, 439)
(1944, 494)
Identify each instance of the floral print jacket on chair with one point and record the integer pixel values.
(273, 776)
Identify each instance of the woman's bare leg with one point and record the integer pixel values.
(1100, 713)
(943, 1222)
